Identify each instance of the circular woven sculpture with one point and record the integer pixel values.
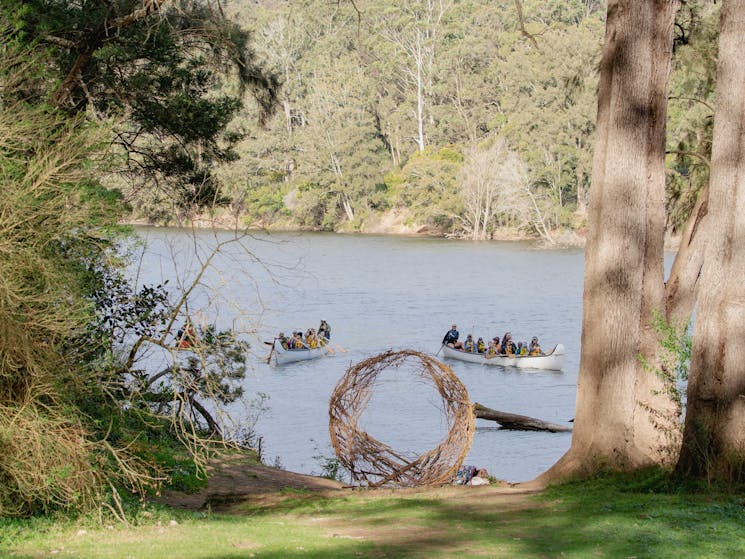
(375, 463)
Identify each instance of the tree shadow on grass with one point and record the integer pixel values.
(598, 524)
(580, 521)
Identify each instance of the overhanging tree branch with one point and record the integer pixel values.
(91, 42)
(704, 103)
(702, 158)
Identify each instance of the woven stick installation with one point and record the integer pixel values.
(374, 463)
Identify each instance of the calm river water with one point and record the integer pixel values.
(379, 293)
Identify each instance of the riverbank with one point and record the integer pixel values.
(388, 224)
(393, 223)
(625, 516)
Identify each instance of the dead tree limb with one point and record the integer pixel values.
(517, 422)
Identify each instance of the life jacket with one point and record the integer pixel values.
(535, 351)
(524, 351)
(481, 346)
(312, 342)
(469, 345)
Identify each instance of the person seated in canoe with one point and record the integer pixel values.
(283, 341)
(451, 338)
(493, 348)
(469, 345)
(311, 339)
(522, 348)
(508, 346)
(480, 345)
(535, 348)
(324, 332)
(297, 341)
(186, 336)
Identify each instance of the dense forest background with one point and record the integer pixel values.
(447, 117)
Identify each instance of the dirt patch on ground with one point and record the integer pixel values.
(234, 479)
(454, 509)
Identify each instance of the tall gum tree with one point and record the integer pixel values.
(625, 416)
(714, 432)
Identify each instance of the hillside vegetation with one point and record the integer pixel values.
(447, 118)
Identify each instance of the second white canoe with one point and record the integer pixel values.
(553, 361)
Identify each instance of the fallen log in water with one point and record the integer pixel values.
(517, 422)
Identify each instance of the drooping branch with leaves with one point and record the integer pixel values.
(170, 74)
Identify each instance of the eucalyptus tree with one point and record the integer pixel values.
(714, 434)
(414, 30)
(72, 408)
(493, 183)
(463, 103)
(282, 42)
(625, 417)
(343, 156)
(547, 101)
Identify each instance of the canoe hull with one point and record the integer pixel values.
(282, 356)
(553, 361)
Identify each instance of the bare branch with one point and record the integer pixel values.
(703, 158)
(148, 8)
(521, 19)
(59, 41)
(704, 103)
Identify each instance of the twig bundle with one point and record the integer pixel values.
(374, 463)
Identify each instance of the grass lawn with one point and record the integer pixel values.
(617, 517)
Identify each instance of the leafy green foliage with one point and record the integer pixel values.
(426, 185)
(155, 68)
(82, 413)
(47, 206)
(351, 100)
(691, 108)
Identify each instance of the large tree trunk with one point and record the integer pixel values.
(625, 416)
(714, 433)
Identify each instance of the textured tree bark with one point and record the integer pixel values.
(714, 432)
(682, 285)
(625, 417)
(517, 422)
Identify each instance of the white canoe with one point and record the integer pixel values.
(282, 356)
(552, 361)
